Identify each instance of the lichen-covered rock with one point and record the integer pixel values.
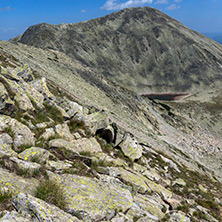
(7, 106)
(6, 150)
(131, 147)
(93, 198)
(22, 135)
(77, 146)
(23, 72)
(41, 86)
(151, 205)
(35, 154)
(121, 217)
(16, 183)
(62, 130)
(33, 95)
(176, 216)
(179, 182)
(50, 132)
(96, 121)
(105, 157)
(14, 216)
(25, 167)
(40, 210)
(20, 97)
(58, 166)
(140, 183)
(6, 139)
(73, 108)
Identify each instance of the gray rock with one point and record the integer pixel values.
(14, 216)
(25, 167)
(7, 106)
(6, 150)
(20, 97)
(40, 210)
(175, 217)
(74, 108)
(120, 217)
(35, 154)
(41, 86)
(62, 130)
(92, 197)
(6, 139)
(24, 72)
(131, 147)
(96, 121)
(16, 183)
(22, 135)
(58, 166)
(33, 95)
(76, 146)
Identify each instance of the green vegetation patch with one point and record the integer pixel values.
(51, 192)
(5, 200)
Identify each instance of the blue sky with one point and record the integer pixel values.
(16, 16)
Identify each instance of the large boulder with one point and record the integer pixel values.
(14, 183)
(20, 133)
(36, 97)
(23, 72)
(35, 154)
(62, 130)
(130, 147)
(93, 198)
(96, 121)
(76, 146)
(19, 96)
(139, 183)
(41, 86)
(39, 210)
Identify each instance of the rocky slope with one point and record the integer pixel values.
(105, 167)
(77, 146)
(164, 55)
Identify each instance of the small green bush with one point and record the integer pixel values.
(51, 192)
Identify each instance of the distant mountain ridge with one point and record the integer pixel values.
(142, 49)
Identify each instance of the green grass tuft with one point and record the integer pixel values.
(51, 192)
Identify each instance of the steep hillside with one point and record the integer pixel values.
(141, 49)
(75, 150)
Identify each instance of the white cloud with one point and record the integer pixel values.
(161, 2)
(116, 5)
(178, 0)
(172, 7)
(83, 11)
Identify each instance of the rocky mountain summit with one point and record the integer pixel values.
(76, 145)
(163, 55)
